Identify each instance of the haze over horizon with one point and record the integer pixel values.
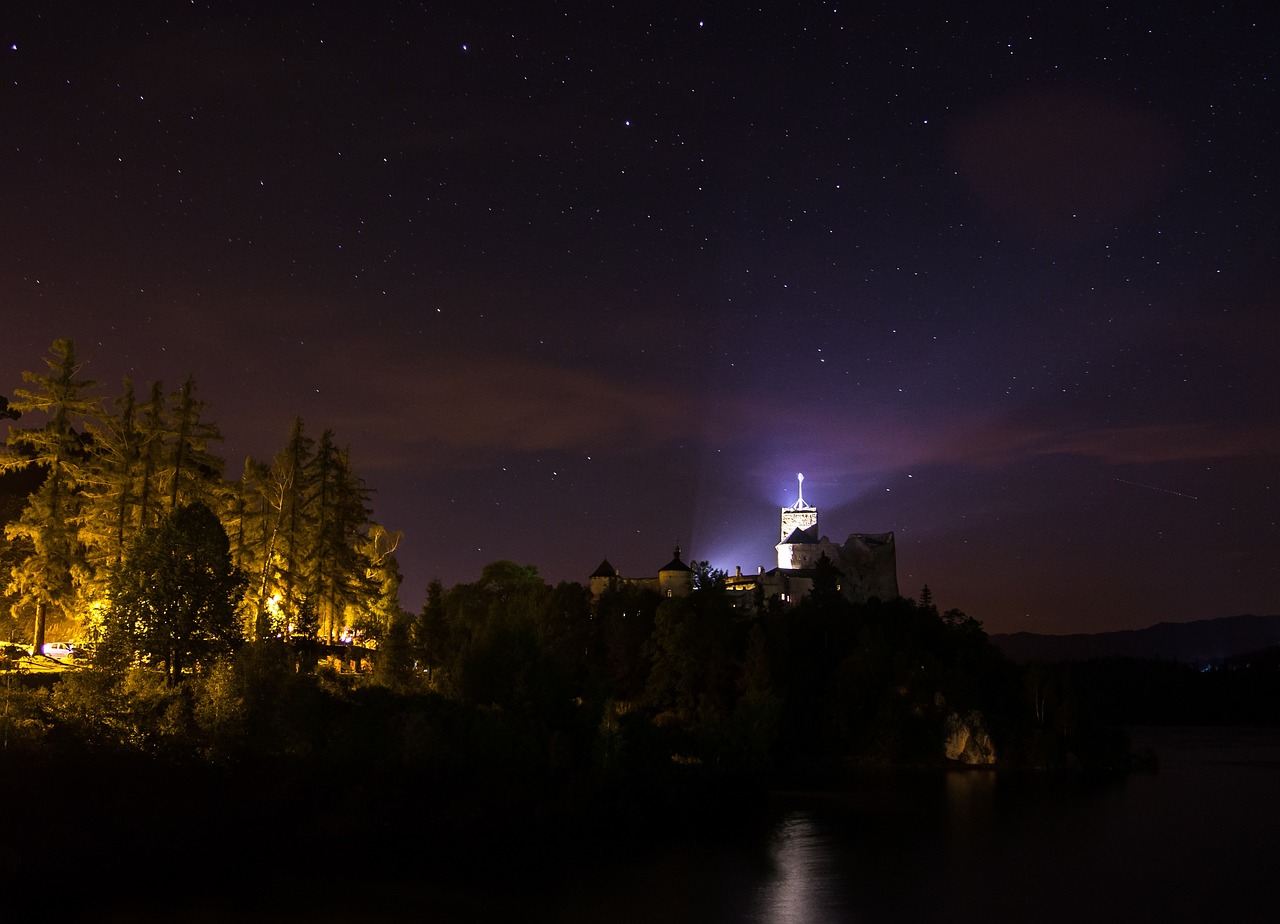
(576, 283)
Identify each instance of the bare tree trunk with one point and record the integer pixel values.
(37, 642)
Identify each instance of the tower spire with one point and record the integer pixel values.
(799, 515)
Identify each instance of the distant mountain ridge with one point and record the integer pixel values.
(1204, 641)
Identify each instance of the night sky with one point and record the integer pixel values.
(575, 282)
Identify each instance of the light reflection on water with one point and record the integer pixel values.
(1195, 841)
(856, 858)
(801, 888)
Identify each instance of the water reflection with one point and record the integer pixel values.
(1195, 842)
(802, 887)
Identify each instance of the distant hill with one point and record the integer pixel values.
(1205, 641)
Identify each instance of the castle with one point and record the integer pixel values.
(867, 564)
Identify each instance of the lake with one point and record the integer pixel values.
(1195, 841)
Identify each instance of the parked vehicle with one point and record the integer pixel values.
(59, 650)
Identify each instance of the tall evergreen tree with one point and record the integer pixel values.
(153, 431)
(293, 528)
(378, 592)
(251, 518)
(177, 595)
(47, 578)
(108, 516)
(430, 643)
(195, 473)
(338, 574)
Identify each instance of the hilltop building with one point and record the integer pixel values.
(867, 564)
(674, 579)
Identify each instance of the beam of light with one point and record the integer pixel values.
(1151, 487)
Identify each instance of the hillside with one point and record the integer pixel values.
(1207, 641)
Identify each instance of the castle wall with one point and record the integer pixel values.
(870, 562)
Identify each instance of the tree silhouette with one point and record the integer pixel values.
(175, 598)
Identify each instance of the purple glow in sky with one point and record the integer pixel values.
(575, 282)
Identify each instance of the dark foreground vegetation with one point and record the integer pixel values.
(1243, 690)
(512, 727)
(509, 726)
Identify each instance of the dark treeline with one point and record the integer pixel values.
(1241, 691)
(512, 692)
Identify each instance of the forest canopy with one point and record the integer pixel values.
(88, 476)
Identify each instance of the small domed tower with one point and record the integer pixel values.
(675, 578)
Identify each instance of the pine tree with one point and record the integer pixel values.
(195, 473)
(48, 578)
(293, 529)
(176, 597)
(338, 576)
(250, 519)
(108, 516)
(378, 596)
(429, 638)
(153, 431)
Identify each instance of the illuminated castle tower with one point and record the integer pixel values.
(866, 564)
(799, 526)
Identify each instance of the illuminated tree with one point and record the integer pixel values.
(175, 599)
(378, 597)
(15, 488)
(195, 473)
(252, 513)
(142, 462)
(270, 522)
(108, 514)
(47, 578)
(337, 573)
(292, 529)
(302, 528)
(153, 430)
